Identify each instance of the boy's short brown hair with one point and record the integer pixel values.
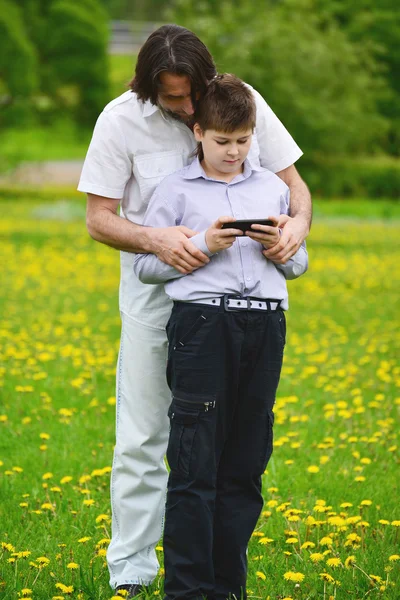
(228, 105)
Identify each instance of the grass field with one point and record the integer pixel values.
(330, 524)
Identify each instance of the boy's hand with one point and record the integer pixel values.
(267, 235)
(219, 239)
(293, 234)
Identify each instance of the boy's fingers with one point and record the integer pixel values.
(221, 220)
(230, 232)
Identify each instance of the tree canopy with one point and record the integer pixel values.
(54, 56)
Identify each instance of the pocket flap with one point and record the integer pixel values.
(159, 164)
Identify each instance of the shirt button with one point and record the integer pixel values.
(247, 278)
(244, 244)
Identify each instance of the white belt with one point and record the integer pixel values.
(232, 303)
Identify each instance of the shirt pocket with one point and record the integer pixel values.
(150, 169)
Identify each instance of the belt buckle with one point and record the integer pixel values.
(229, 308)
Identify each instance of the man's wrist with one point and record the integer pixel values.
(148, 240)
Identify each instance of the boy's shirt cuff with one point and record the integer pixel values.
(199, 240)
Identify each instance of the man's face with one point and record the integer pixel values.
(224, 153)
(174, 97)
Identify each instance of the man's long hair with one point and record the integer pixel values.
(176, 50)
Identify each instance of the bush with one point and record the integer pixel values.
(370, 177)
(18, 64)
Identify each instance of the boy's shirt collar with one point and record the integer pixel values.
(195, 171)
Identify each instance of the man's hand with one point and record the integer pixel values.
(172, 245)
(219, 239)
(268, 235)
(294, 231)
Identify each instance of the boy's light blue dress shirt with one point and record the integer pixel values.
(188, 197)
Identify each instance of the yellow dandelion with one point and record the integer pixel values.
(307, 545)
(376, 578)
(313, 469)
(260, 575)
(327, 577)
(66, 589)
(7, 546)
(47, 476)
(316, 557)
(43, 561)
(66, 479)
(293, 518)
(265, 540)
(293, 576)
(102, 518)
(83, 540)
(26, 592)
(394, 557)
(334, 562)
(384, 522)
(326, 541)
(73, 566)
(47, 506)
(395, 523)
(350, 561)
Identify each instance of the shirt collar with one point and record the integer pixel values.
(149, 108)
(195, 170)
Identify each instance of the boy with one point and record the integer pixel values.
(226, 339)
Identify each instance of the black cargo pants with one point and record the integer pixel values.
(223, 371)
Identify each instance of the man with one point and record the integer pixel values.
(139, 139)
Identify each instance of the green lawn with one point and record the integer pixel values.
(330, 524)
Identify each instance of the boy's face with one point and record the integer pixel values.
(224, 153)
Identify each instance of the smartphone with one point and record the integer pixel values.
(245, 224)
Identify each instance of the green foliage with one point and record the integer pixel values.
(323, 86)
(372, 177)
(138, 10)
(18, 61)
(54, 53)
(77, 43)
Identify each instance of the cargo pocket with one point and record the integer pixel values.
(184, 419)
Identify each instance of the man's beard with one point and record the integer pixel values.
(188, 120)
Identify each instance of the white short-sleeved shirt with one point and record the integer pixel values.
(133, 148)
